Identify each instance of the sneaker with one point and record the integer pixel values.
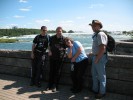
(47, 88)
(99, 96)
(54, 90)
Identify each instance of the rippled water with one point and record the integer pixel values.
(25, 42)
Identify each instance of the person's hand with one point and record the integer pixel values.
(73, 59)
(90, 54)
(71, 45)
(50, 53)
(96, 61)
(43, 57)
(61, 49)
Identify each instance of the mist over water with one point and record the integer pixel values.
(25, 41)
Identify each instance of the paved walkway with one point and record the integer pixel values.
(17, 88)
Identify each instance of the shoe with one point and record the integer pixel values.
(54, 90)
(99, 96)
(47, 88)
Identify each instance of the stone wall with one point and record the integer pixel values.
(119, 70)
(124, 48)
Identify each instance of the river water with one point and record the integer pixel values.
(25, 41)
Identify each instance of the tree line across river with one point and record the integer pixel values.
(23, 31)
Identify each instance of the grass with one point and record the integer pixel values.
(8, 40)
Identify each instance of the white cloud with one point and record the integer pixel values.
(25, 9)
(80, 17)
(66, 22)
(42, 21)
(23, 1)
(17, 16)
(96, 5)
(13, 24)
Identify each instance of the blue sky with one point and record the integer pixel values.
(116, 15)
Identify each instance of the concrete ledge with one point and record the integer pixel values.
(124, 48)
(119, 70)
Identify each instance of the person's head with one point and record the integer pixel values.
(59, 30)
(68, 41)
(44, 29)
(96, 25)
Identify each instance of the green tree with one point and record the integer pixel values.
(70, 31)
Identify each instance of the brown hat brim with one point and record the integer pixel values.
(90, 24)
(97, 24)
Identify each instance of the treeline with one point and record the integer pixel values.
(21, 31)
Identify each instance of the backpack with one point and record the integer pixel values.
(111, 42)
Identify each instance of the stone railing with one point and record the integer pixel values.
(124, 48)
(119, 69)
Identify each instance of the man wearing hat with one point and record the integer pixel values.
(99, 59)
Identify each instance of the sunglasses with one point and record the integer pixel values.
(44, 30)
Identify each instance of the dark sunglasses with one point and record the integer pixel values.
(44, 30)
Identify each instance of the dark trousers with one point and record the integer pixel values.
(77, 74)
(55, 72)
(36, 71)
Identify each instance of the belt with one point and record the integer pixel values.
(38, 51)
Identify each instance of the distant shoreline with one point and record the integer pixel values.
(8, 40)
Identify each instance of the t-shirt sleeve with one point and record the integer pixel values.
(77, 44)
(102, 38)
(35, 40)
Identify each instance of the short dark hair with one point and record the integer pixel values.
(43, 27)
(59, 28)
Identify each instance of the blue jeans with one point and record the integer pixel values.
(99, 74)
